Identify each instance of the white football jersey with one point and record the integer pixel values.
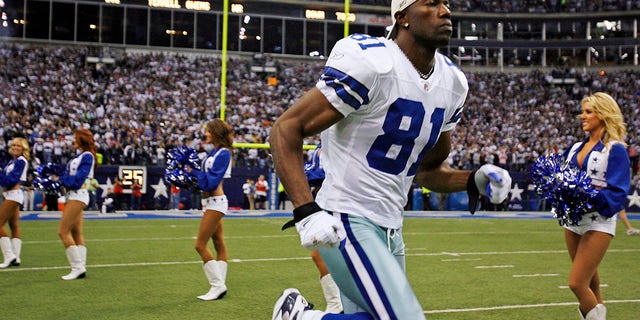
(392, 118)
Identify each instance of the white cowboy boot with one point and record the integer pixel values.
(216, 273)
(599, 312)
(83, 255)
(78, 270)
(7, 252)
(16, 243)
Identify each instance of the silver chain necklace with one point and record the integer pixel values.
(425, 76)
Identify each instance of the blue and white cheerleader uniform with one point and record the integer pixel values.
(11, 178)
(609, 170)
(78, 170)
(215, 167)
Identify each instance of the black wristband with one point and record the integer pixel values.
(302, 212)
(472, 192)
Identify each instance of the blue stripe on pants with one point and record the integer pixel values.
(369, 269)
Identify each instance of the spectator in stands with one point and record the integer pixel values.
(249, 190)
(633, 157)
(13, 175)
(136, 195)
(262, 186)
(252, 157)
(282, 197)
(604, 157)
(118, 190)
(29, 193)
(92, 187)
(195, 199)
(51, 199)
(174, 198)
(70, 230)
(160, 154)
(215, 167)
(535, 114)
(107, 202)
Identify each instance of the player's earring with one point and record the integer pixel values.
(406, 25)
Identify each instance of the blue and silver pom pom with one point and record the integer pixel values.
(178, 159)
(44, 181)
(567, 188)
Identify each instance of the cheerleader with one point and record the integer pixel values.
(604, 156)
(11, 179)
(70, 232)
(215, 167)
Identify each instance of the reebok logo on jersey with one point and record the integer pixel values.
(337, 56)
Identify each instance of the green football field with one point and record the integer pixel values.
(460, 268)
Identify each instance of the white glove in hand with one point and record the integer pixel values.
(493, 182)
(320, 230)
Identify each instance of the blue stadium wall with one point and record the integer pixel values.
(152, 200)
(522, 198)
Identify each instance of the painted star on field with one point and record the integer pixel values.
(160, 188)
(104, 187)
(516, 192)
(634, 199)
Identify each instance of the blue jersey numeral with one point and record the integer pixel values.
(366, 41)
(391, 150)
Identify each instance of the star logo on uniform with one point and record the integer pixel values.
(594, 217)
(160, 188)
(516, 192)
(105, 187)
(634, 199)
(594, 172)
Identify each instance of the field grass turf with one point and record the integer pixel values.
(459, 268)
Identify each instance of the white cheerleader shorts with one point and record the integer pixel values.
(216, 203)
(595, 222)
(16, 195)
(81, 195)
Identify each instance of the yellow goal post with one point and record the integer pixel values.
(246, 145)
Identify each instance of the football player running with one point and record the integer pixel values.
(385, 109)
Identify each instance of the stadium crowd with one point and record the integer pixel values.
(146, 104)
(512, 6)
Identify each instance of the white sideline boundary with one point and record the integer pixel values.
(175, 214)
(160, 214)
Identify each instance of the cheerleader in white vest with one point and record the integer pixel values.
(70, 229)
(215, 167)
(604, 157)
(11, 179)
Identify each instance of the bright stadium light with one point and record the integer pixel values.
(237, 8)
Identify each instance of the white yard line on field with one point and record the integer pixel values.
(495, 267)
(535, 275)
(523, 306)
